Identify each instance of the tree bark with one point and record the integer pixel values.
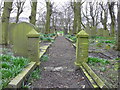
(112, 15)
(5, 22)
(33, 13)
(79, 16)
(75, 19)
(118, 34)
(48, 15)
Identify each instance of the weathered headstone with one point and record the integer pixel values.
(11, 32)
(20, 39)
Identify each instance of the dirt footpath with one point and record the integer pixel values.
(59, 71)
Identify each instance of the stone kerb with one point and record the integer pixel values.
(19, 38)
(33, 46)
(81, 48)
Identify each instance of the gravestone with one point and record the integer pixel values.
(11, 32)
(20, 39)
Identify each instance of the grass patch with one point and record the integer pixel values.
(71, 37)
(47, 37)
(93, 60)
(11, 67)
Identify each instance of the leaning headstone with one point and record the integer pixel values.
(20, 38)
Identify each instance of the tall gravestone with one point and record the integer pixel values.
(20, 38)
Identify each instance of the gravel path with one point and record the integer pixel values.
(59, 71)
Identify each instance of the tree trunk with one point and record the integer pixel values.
(111, 11)
(78, 16)
(17, 17)
(5, 22)
(118, 34)
(48, 15)
(75, 19)
(33, 13)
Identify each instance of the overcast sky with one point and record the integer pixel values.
(41, 6)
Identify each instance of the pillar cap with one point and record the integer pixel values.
(82, 33)
(33, 33)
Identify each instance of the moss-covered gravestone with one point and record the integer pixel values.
(20, 39)
(81, 48)
(11, 32)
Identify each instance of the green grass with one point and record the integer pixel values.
(11, 66)
(93, 60)
(47, 37)
(108, 41)
(71, 37)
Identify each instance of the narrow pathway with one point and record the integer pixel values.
(59, 71)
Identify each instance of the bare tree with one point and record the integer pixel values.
(1, 8)
(48, 16)
(76, 6)
(19, 4)
(105, 12)
(5, 22)
(112, 15)
(94, 13)
(118, 34)
(33, 12)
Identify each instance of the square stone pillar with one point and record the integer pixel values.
(33, 46)
(81, 48)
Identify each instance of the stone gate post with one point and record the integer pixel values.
(81, 48)
(33, 46)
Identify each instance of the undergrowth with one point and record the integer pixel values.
(11, 66)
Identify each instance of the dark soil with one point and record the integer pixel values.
(59, 71)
